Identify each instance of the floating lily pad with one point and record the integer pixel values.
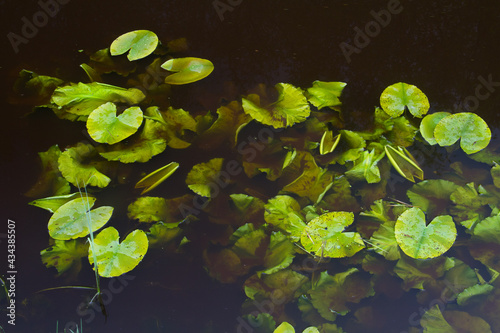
(187, 70)
(325, 237)
(396, 97)
(428, 125)
(141, 43)
(422, 241)
(53, 203)
(115, 258)
(284, 327)
(472, 130)
(105, 127)
(71, 220)
(325, 94)
(202, 177)
(283, 212)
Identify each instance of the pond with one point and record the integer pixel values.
(448, 49)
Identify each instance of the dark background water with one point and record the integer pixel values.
(443, 47)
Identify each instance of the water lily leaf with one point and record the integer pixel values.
(50, 181)
(230, 121)
(105, 127)
(495, 174)
(415, 273)
(279, 254)
(290, 108)
(472, 130)
(422, 241)
(328, 142)
(225, 265)
(402, 132)
(404, 163)
(71, 220)
(339, 197)
(161, 234)
(325, 237)
(366, 167)
(150, 142)
(332, 293)
(201, 179)
(148, 209)
(325, 94)
(102, 62)
(488, 230)
(176, 123)
(384, 241)
(73, 166)
(474, 293)
(284, 327)
(283, 212)
(355, 147)
(262, 323)
(81, 99)
(432, 195)
(433, 321)
(248, 244)
(396, 97)
(470, 206)
(115, 258)
(34, 89)
(53, 203)
(141, 43)
(156, 177)
(65, 255)
(428, 125)
(187, 70)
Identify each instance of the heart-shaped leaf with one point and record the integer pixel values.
(324, 236)
(428, 124)
(472, 130)
(115, 258)
(421, 241)
(70, 221)
(188, 70)
(141, 43)
(396, 97)
(105, 127)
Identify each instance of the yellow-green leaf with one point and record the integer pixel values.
(187, 70)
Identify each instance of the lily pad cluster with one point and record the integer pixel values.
(283, 199)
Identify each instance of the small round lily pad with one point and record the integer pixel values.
(396, 97)
(141, 43)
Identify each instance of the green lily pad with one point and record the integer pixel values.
(115, 258)
(290, 108)
(472, 130)
(156, 177)
(105, 127)
(422, 241)
(428, 125)
(53, 203)
(366, 167)
(71, 220)
(325, 94)
(284, 327)
(283, 212)
(141, 43)
(396, 97)
(187, 70)
(325, 237)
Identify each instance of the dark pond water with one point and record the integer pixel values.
(443, 47)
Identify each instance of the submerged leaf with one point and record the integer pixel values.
(141, 43)
(161, 234)
(156, 177)
(187, 70)
(115, 258)
(396, 97)
(81, 99)
(105, 127)
(325, 94)
(202, 177)
(290, 108)
(148, 209)
(472, 130)
(279, 255)
(35, 89)
(74, 168)
(65, 255)
(420, 241)
(432, 195)
(325, 237)
(72, 219)
(433, 321)
(283, 212)
(365, 168)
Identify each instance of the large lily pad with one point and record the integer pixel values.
(325, 237)
(141, 43)
(72, 219)
(472, 130)
(105, 127)
(422, 241)
(290, 108)
(396, 97)
(115, 258)
(187, 70)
